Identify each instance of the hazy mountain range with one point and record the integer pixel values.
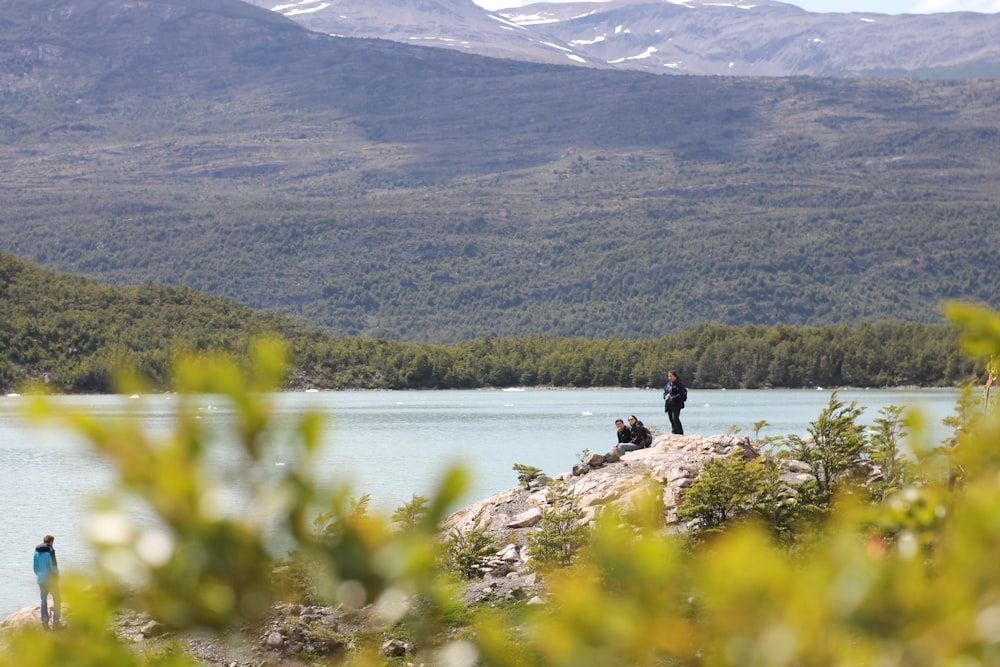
(377, 188)
(744, 38)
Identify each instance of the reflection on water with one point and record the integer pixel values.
(389, 444)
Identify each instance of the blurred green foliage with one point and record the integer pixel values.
(908, 581)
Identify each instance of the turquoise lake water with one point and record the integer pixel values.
(391, 444)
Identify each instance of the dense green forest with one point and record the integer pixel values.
(378, 190)
(73, 333)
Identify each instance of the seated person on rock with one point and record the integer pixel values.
(625, 437)
(641, 436)
(624, 432)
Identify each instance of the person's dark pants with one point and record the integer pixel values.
(675, 420)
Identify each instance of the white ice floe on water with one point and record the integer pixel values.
(586, 414)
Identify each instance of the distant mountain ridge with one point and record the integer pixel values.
(457, 24)
(375, 188)
(745, 38)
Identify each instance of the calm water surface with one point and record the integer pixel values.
(389, 444)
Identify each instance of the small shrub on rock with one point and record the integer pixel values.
(725, 489)
(560, 534)
(466, 551)
(526, 474)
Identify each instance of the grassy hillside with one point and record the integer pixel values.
(370, 188)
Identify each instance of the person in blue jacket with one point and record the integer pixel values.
(47, 574)
(674, 395)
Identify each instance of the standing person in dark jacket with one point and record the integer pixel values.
(674, 395)
(47, 575)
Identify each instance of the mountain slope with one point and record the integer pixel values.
(456, 24)
(375, 188)
(760, 38)
(770, 38)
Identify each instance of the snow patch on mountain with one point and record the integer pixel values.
(446, 40)
(531, 19)
(507, 23)
(296, 8)
(557, 46)
(645, 54)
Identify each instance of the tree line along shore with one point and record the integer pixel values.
(74, 334)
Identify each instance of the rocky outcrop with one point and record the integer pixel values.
(604, 480)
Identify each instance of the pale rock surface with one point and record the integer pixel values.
(672, 461)
(26, 616)
(526, 519)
